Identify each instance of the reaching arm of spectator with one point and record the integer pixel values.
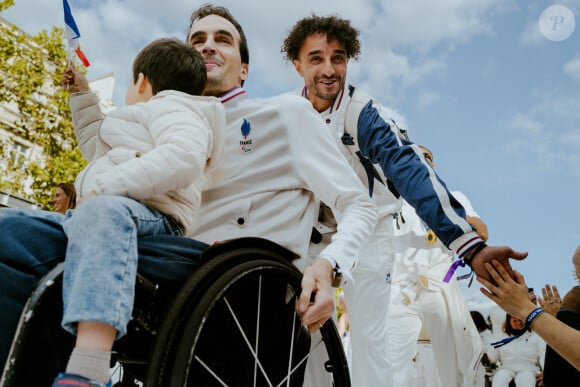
(511, 294)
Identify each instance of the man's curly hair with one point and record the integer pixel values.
(335, 28)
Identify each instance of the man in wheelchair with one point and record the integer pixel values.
(239, 202)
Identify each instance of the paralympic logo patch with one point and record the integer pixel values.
(246, 141)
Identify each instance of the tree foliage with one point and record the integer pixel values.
(31, 68)
(5, 4)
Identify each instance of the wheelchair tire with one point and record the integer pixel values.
(233, 324)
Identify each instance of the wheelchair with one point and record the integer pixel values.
(231, 323)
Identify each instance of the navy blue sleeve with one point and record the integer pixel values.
(403, 164)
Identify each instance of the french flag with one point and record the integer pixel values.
(73, 34)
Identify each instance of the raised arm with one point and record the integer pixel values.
(511, 294)
(87, 116)
(403, 163)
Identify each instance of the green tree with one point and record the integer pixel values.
(5, 4)
(31, 67)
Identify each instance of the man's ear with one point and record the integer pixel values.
(297, 66)
(245, 72)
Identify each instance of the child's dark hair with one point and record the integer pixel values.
(170, 64)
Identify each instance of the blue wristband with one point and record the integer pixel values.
(532, 316)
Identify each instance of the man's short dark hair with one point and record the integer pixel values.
(170, 64)
(335, 28)
(211, 9)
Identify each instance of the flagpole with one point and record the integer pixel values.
(69, 56)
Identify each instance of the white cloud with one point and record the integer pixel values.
(430, 23)
(113, 32)
(547, 135)
(572, 68)
(531, 35)
(387, 74)
(526, 124)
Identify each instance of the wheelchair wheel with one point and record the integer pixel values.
(234, 324)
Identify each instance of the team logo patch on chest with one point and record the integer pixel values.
(246, 144)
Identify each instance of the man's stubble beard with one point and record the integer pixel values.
(328, 96)
(325, 96)
(213, 87)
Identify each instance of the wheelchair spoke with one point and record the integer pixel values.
(300, 363)
(257, 328)
(248, 342)
(291, 348)
(210, 371)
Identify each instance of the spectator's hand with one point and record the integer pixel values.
(507, 290)
(73, 81)
(540, 379)
(551, 301)
(501, 254)
(316, 302)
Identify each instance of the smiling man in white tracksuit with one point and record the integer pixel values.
(320, 48)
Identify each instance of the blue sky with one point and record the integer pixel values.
(476, 81)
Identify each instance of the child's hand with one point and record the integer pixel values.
(73, 81)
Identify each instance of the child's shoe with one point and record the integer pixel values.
(64, 379)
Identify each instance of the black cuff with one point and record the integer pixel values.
(472, 252)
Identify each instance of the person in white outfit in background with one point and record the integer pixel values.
(486, 368)
(342, 326)
(519, 360)
(426, 374)
(421, 299)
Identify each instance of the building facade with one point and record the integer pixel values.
(19, 145)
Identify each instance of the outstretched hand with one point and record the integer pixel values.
(73, 81)
(316, 302)
(501, 254)
(508, 290)
(550, 301)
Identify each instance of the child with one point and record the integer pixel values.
(146, 166)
